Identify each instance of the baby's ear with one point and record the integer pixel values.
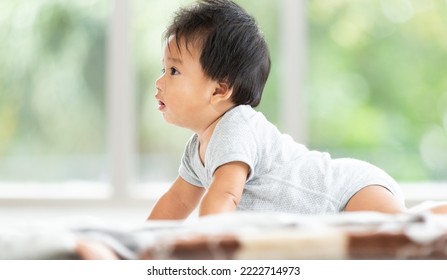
(222, 92)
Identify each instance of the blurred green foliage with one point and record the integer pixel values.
(52, 93)
(376, 85)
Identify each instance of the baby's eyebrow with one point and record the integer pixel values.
(174, 59)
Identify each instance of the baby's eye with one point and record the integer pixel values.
(173, 71)
(163, 70)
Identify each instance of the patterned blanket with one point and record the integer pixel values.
(361, 235)
(345, 236)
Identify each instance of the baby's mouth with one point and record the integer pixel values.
(161, 105)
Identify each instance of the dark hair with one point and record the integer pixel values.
(233, 49)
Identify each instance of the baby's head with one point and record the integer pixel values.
(233, 49)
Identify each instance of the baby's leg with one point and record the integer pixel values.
(439, 209)
(375, 198)
(436, 207)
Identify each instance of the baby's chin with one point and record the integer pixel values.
(171, 121)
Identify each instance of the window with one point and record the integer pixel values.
(358, 79)
(52, 94)
(377, 87)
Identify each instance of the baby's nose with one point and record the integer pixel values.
(158, 83)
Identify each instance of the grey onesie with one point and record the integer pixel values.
(284, 175)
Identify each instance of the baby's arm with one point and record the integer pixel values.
(226, 189)
(178, 202)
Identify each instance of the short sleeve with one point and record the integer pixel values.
(232, 141)
(186, 169)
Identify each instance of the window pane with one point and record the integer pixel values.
(52, 57)
(378, 89)
(161, 144)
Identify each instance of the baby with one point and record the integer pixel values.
(215, 65)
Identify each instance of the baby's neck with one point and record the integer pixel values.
(204, 139)
(205, 135)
